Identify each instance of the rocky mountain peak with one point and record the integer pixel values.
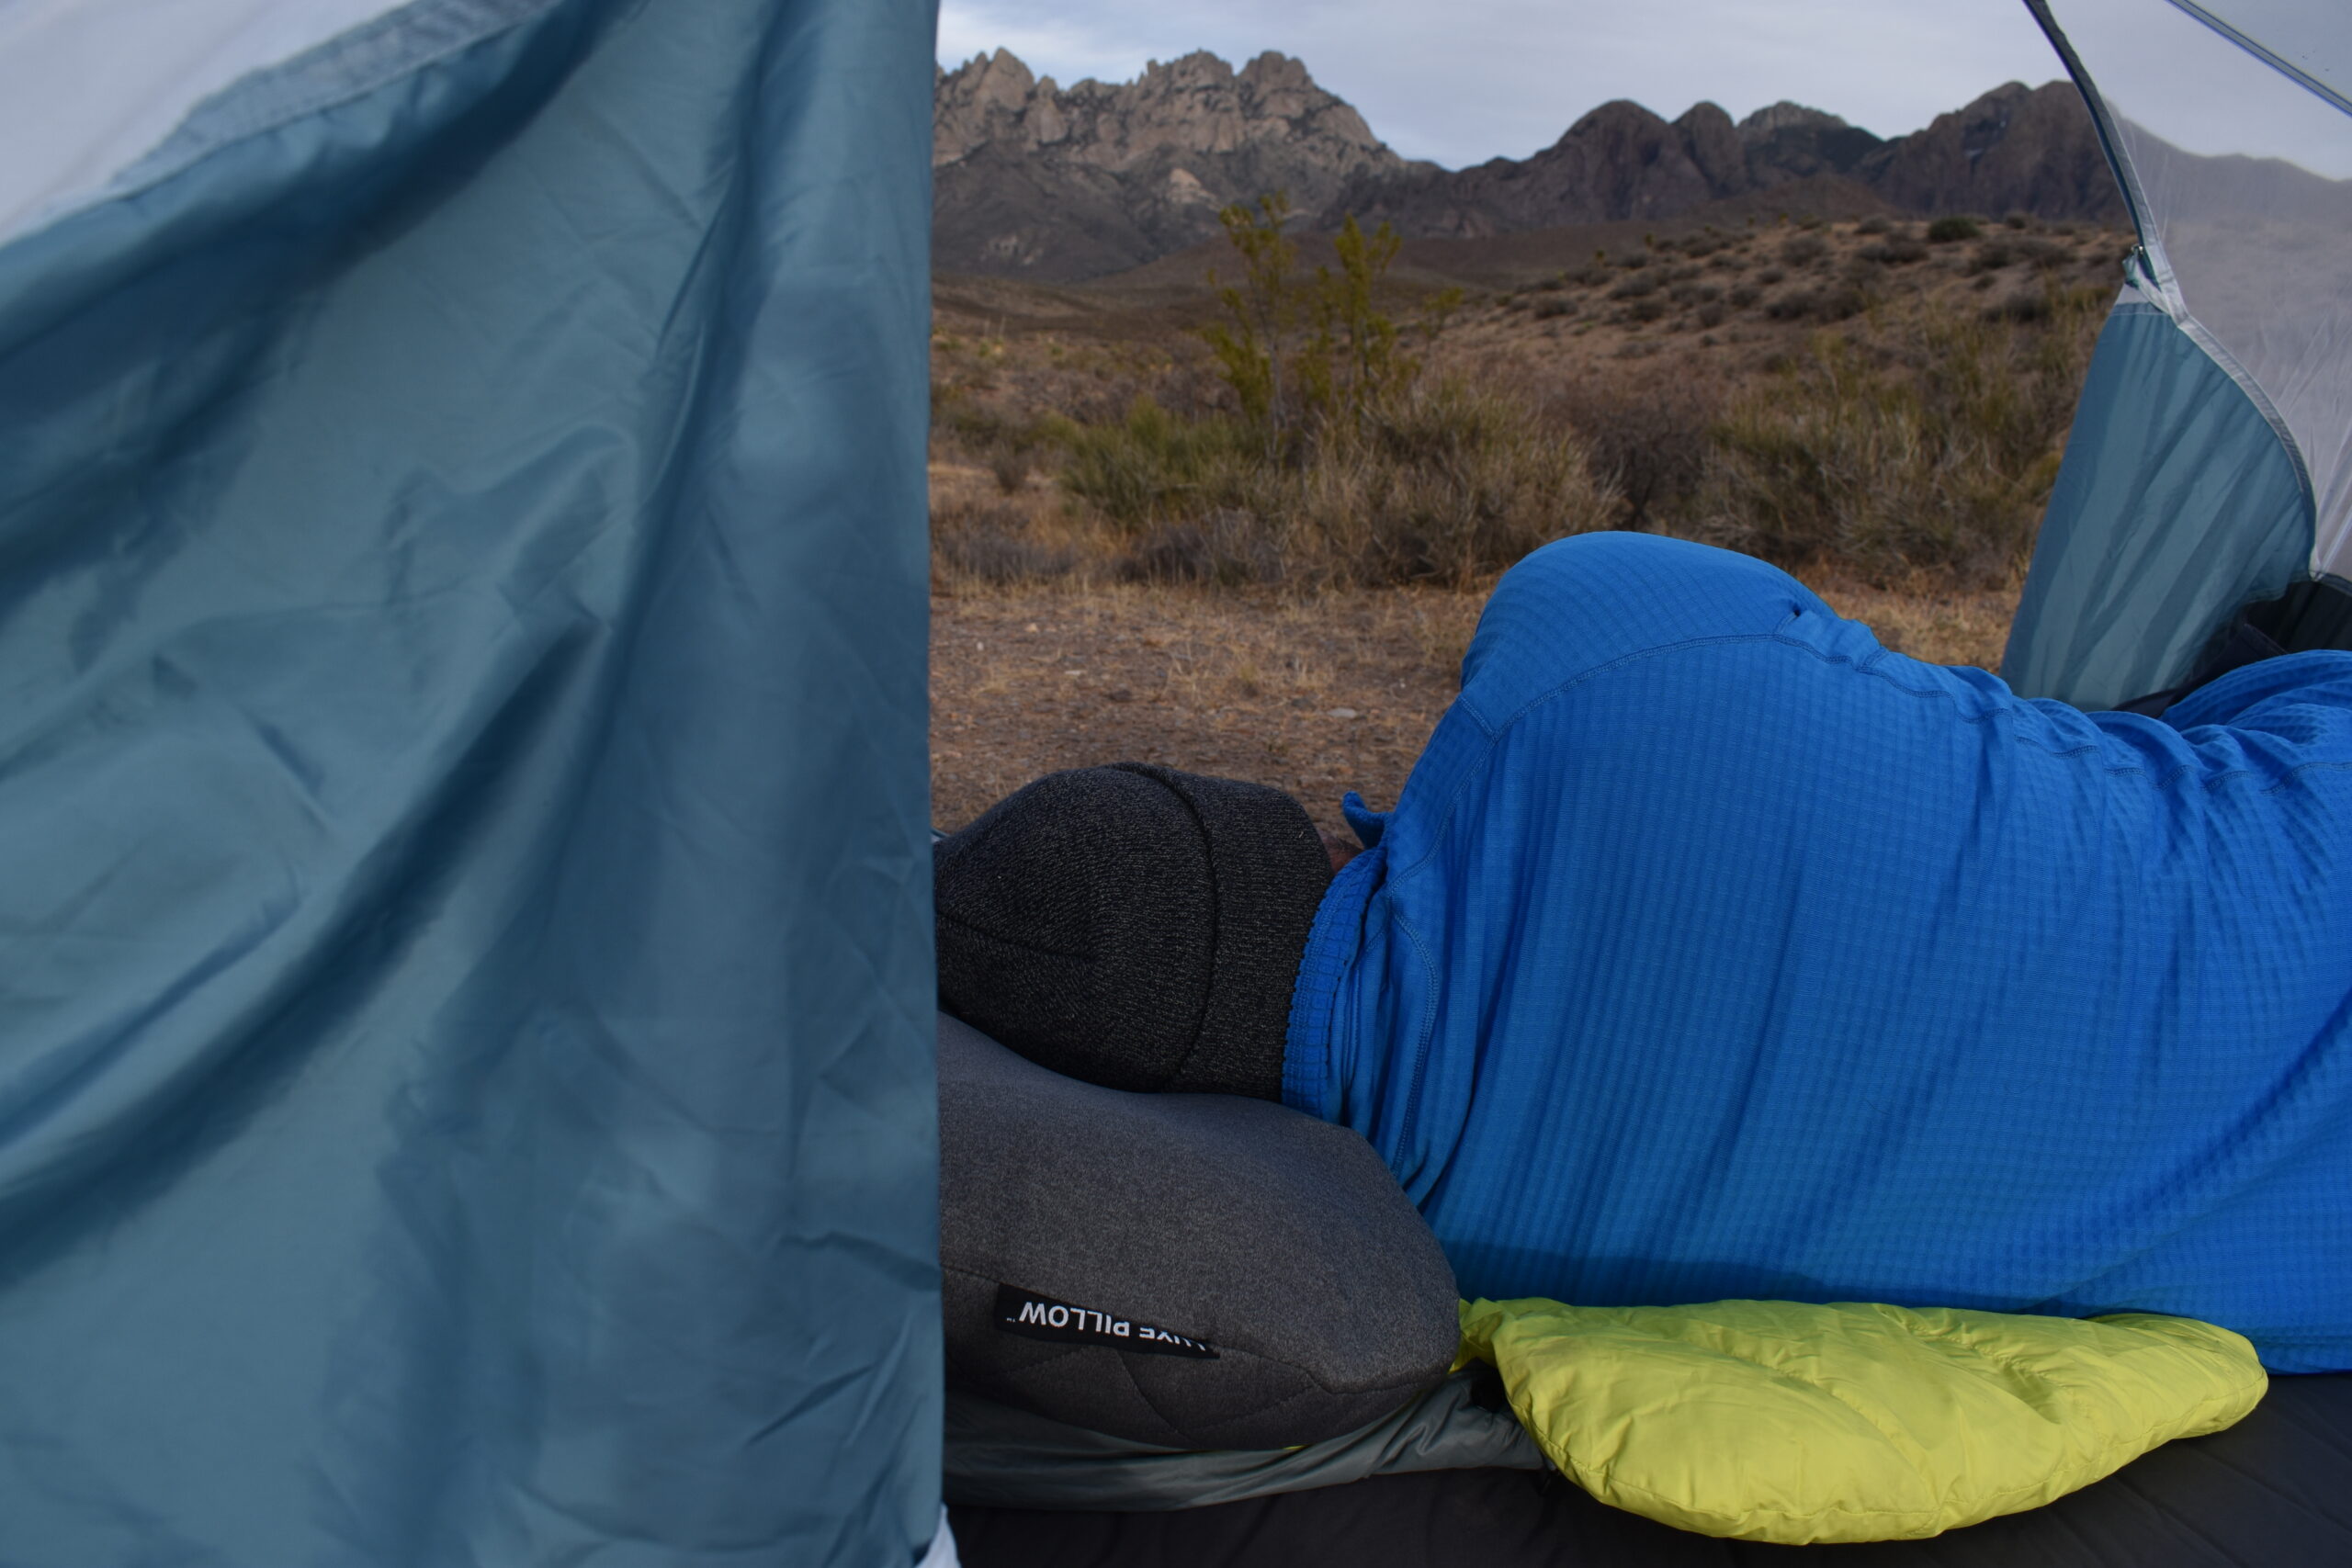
(2016, 147)
(1064, 182)
(1784, 116)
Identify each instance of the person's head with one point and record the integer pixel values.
(1133, 925)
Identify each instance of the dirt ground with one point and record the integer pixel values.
(1313, 695)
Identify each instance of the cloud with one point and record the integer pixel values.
(1462, 81)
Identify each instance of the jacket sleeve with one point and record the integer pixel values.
(2300, 694)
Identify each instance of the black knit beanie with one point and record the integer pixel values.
(1133, 925)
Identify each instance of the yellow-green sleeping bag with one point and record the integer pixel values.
(1784, 1421)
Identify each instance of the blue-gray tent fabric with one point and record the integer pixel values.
(2176, 507)
(466, 1001)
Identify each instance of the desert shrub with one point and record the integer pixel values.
(1011, 469)
(2020, 219)
(2025, 305)
(1770, 276)
(1227, 548)
(1551, 285)
(1687, 294)
(2042, 253)
(1300, 353)
(1450, 489)
(1711, 313)
(1953, 228)
(1636, 286)
(1154, 464)
(1632, 261)
(1443, 485)
(991, 544)
(1934, 455)
(1847, 297)
(1343, 468)
(1900, 250)
(1743, 295)
(972, 423)
(1589, 277)
(1831, 302)
(1804, 249)
(1647, 434)
(1992, 256)
(1648, 308)
(1872, 226)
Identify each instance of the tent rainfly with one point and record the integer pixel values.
(465, 939)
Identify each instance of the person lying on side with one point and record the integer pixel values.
(1714, 950)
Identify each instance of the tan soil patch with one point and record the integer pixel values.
(1315, 696)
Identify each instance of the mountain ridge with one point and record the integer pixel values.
(1056, 184)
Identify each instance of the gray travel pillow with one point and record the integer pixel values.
(1191, 1270)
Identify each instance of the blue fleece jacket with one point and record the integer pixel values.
(1714, 950)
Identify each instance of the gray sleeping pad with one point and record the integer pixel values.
(1000, 1457)
(1190, 1270)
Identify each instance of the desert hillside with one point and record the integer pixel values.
(1129, 564)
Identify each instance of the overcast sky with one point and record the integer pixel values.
(1462, 81)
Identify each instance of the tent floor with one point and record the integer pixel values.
(2274, 1492)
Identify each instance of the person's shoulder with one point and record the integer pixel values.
(1581, 605)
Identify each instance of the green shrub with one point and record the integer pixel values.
(1947, 230)
(1153, 465)
(1299, 353)
(1446, 485)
